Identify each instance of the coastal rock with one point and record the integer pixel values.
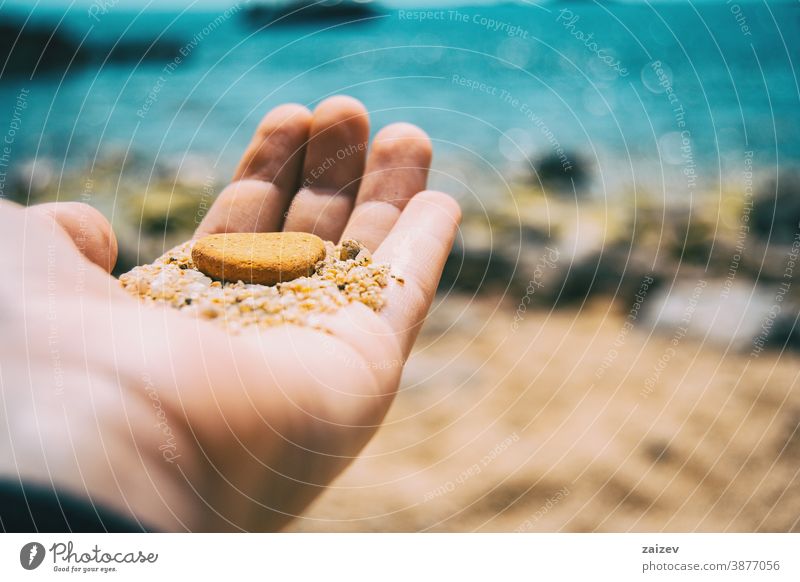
(40, 48)
(776, 212)
(729, 315)
(477, 269)
(561, 171)
(301, 12)
(32, 48)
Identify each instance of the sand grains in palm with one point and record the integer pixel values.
(345, 275)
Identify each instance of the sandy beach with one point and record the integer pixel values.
(496, 430)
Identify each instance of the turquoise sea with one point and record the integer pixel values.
(687, 89)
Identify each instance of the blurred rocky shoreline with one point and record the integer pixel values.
(552, 248)
(720, 269)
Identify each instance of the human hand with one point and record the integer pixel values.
(171, 420)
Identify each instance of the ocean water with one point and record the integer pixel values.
(670, 93)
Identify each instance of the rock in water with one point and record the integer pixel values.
(35, 48)
(776, 212)
(262, 258)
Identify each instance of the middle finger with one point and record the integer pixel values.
(332, 170)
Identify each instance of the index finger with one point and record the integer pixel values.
(416, 250)
(267, 177)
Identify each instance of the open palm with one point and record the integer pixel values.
(174, 422)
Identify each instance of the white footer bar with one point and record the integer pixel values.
(401, 557)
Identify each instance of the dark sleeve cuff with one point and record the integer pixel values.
(26, 507)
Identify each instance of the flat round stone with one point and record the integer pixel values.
(265, 258)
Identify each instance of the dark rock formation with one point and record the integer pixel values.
(776, 212)
(561, 171)
(34, 49)
(305, 12)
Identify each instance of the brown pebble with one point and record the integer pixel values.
(264, 258)
(349, 249)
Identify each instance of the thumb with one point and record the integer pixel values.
(87, 227)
